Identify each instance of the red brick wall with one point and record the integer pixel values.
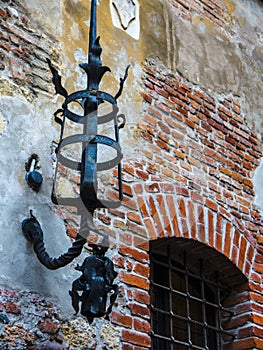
(215, 11)
(23, 50)
(194, 180)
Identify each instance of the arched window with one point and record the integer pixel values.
(187, 297)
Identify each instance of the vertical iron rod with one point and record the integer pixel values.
(93, 26)
(89, 151)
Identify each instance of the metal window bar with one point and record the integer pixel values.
(210, 335)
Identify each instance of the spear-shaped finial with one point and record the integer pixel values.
(93, 26)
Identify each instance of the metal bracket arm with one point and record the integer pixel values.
(33, 232)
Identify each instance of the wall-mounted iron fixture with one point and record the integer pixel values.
(33, 176)
(97, 270)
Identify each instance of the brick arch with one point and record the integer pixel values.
(159, 210)
(163, 210)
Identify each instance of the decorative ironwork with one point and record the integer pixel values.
(97, 270)
(95, 282)
(33, 232)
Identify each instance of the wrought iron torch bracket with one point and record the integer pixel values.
(97, 270)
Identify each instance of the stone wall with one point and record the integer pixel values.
(191, 170)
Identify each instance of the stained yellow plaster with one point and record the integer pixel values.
(118, 48)
(230, 6)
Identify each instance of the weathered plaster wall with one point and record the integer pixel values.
(223, 57)
(217, 57)
(26, 108)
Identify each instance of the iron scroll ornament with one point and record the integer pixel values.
(95, 282)
(97, 270)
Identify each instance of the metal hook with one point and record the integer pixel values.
(33, 177)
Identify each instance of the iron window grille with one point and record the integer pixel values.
(186, 307)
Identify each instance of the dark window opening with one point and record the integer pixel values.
(186, 306)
